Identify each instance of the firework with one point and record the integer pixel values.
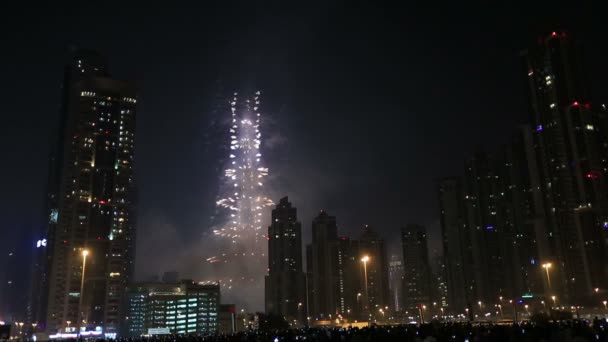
(243, 199)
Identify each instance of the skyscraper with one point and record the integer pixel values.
(240, 247)
(325, 273)
(91, 200)
(374, 261)
(570, 146)
(285, 283)
(349, 277)
(456, 245)
(416, 267)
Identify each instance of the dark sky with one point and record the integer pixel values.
(365, 105)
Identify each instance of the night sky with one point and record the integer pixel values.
(365, 106)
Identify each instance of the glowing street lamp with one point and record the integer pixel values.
(85, 253)
(605, 303)
(547, 267)
(554, 298)
(364, 260)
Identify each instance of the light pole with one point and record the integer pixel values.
(299, 311)
(85, 252)
(554, 298)
(605, 305)
(364, 260)
(547, 267)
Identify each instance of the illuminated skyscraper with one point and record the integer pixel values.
(570, 143)
(91, 201)
(285, 283)
(240, 263)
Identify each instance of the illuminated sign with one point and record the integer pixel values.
(41, 243)
(158, 331)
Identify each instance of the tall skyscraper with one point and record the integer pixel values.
(416, 267)
(439, 288)
(570, 142)
(325, 273)
(374, 260)
(456, 245)
(91, 201)
(241, 242)
(285, 282)
(349, 278)
(487, 230)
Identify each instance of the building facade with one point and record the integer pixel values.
(456, 245)
(91, 201)
(416, 267)
(349, 278)
(374, 264)
(569, 139)
(176, 308)
(286, 282)
(324, 268)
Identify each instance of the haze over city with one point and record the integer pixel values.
(365, 109)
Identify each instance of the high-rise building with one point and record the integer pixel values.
(285, 282)
(439, 286)
(416, 267)
(349, 278)
(374, 259)
(91, 199)
(395, 275)
(241, 241)
(488, 232)
(172, 308)
(456, 245)
(325, 272)
(570, 142)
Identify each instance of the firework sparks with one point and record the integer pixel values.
(244, 200)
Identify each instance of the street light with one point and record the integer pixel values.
(364, 260)
(605, 303)
(85, 252)
(554, 298)
(547, 266)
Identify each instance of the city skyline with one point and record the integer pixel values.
(358, 125)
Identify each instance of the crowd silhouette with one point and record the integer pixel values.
(571, 330)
